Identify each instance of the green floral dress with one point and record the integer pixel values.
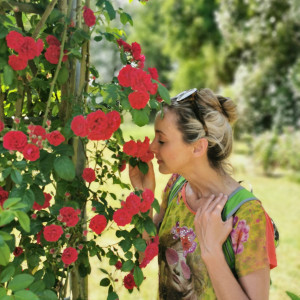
(182, 273)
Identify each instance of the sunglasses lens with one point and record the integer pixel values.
(184, 95)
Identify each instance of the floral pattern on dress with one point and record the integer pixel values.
(187, 237)
(239, 235)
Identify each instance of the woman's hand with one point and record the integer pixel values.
(142, 181)
(211, 231)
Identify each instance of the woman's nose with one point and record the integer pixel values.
(152, 147)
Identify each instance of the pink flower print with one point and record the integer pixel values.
(187, 237)
(239, 235)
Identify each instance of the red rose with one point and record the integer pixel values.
(46, 204)
(125, 76)
(69, 216)
(14, 40)
(150, 252)
(15, 140)
(55, 138)
(17, 62)
(136, 51)
(141, 62)
(89, 17)
(147, 156)
(138, 100)
(126, 47)
(98, 223)
(122, 217)
(1, 125)
(118, 265)
(132, 204)
(153, 73)
(130, 148)
(89, 175)
(52, 40)
(52, 233)
(141, 81)
(37, 134)
(79, 126)
(69, 255)
(148, 196)
(98, 126)
(18, 251)
(129, 281)
(52, 54)
(113, 120)
(3, 196)
(39, 47)
(31, 152)
(28, 48)
(145, 206)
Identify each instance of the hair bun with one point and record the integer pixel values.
(228, 108)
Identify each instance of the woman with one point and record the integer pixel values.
(193, 139)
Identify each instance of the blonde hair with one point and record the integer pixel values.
(217, 114)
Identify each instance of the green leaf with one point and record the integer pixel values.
(63, 75)
(156, 205)
(11, 202)
(49, 279)
(110, 10)
(125, 245)
(28, 198)
(47, 295)
(38, 194)
(163, 92)
(6, 217)
(55, 110)
(6, 236)
(4, 254)
(140, 244)
(25, 295)
(150, 227)
(140, 117)
(105, 282)
(37, 286)
(138, 276)
(292, 296)
(8, 75)
(16, 176)
(64, 150)
(2, 292)
(23, 219)
(98, 38)
(20, 282)
(124, 17)
(112, 296)
(6, 172)
(143, 167)
(76, 53)
(64, 168)
(127, 266)
(7, 273)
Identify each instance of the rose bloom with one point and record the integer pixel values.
(36, 133)
(52, 40)
(46, 204)
(98, 223)
(113, 120)
(39, 47)
(1, 125)
(89, 175)
(125, 75)
(52, 54)
(138, 99)
(148, 195)
(118, 265)
(145, 206)
(129, 281)
(97, 125)
(89, 17)
(79, 126)
(147, 156)
(52, 233)
(15, 140)
(126, 46)
(31, 152)
(153, 73)
(130, 148)
(55, 138)
(14, 40)
(69, 255)
(136, 50)
(69, 216)
(132, 204)
(3, 196)
(122, 217)
(18, 251)
(28, 48)
(17, 63)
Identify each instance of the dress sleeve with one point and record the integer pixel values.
(166, 191)
(250, 239)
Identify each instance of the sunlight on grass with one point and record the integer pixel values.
(279, 196)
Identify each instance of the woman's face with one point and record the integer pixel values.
(172, 154)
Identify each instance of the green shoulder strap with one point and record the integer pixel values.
(234, 202)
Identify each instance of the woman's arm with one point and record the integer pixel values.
(211, 232)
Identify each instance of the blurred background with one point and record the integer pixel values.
(248, 50)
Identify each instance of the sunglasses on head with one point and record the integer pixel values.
(189, 95)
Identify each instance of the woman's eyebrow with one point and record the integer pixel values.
(159, 131)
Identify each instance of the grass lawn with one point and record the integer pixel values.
(280, 197)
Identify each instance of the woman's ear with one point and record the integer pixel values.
(200, 147)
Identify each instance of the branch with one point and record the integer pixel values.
(43, 19)
(23, 7)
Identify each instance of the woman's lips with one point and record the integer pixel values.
(159, 161)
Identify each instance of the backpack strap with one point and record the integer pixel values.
(234, 202)
(176, 187)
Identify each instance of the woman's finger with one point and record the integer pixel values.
(219, 203)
